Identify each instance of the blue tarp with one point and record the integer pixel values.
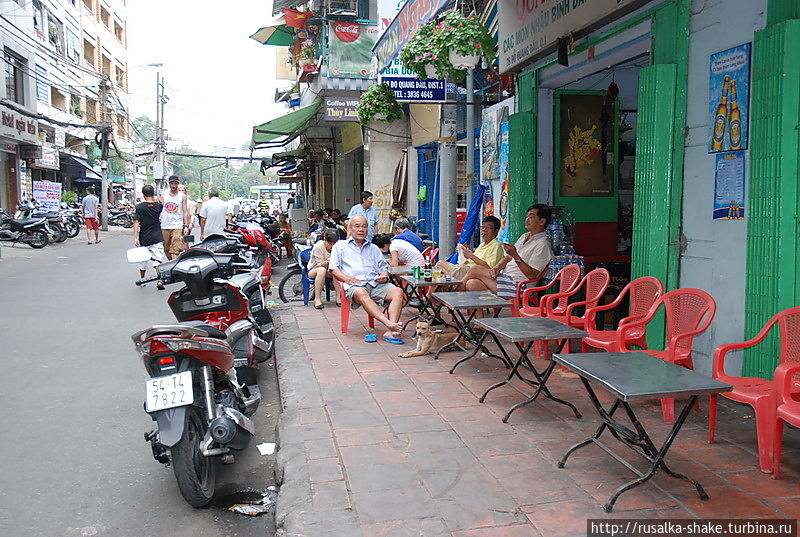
(471, 221)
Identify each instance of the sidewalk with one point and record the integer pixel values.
(375, 445)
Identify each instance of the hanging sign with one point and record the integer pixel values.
(18, 127)
(729, 94)
(48, 194)
(414, 90)
(729, 186)
(341, 107)
(526, 27)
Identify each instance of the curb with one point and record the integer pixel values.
(294, 513)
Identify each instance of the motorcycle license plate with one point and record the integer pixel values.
(170, 391)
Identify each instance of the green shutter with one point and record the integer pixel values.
(522, 154)
(653, 225)
(773, 206)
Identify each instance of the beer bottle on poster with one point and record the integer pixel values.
(720, 116)
(735, 122)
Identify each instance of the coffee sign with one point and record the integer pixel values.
(527, 27)
(341, 107)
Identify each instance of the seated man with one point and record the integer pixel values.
(401, 252)
(402, 230)
(318, 266)
(525, 260)
(360, 266)
(488, 253)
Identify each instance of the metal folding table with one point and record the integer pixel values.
(415, 287)
(634, 376)
(523, 332)
(458, 302)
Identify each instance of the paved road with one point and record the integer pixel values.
(74, 459)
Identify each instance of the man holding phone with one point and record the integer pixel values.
(524, 260)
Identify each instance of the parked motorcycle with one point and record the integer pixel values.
(203, 387)
(31, 231)
(54, 224)
(122, 218)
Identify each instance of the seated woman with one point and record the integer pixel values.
(318, 266)
(525, 260)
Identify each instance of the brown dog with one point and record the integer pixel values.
(430, 341)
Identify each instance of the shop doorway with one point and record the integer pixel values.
(593, 148)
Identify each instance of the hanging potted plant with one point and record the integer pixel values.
(307, 55)
(379, 103)
(450, 47)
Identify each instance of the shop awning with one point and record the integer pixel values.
(275, 33)
(287, 126)
(82, 164)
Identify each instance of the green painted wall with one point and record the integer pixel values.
(522, 154)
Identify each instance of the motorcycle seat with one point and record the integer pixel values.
(212, 332)
(241, 280)
(22, 222)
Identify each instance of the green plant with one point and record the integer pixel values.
(308, 52)
(377, 100)
(69, 197)
(432, 43)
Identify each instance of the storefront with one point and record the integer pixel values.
(16, 130)
(623, 137)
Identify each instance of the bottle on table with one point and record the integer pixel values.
(427, 271)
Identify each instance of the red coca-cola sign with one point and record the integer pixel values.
(346, 31)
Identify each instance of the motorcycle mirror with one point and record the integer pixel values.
(139, 254)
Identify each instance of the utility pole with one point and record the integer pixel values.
(448, 199)
(470, 168)
(105, 131)
(159, 170)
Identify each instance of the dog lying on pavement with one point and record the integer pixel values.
(430, 341)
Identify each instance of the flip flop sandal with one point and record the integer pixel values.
(370, 338)
(394, 340)
(319, 307)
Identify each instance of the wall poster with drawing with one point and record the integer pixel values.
(586, 163)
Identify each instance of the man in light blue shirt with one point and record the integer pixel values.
(365, 208)
(364, 274)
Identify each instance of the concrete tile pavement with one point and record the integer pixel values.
(376, 445)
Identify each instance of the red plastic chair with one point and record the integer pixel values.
(759, 393)
(787, 383)
(594, 284)
(346, 311)
(643, 292)
(530, 304)
(431, 253)
(516, 302)
(689, 312)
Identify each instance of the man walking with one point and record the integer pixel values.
(147, 229)
(213, 214)
(366, 209)
(175, 219)
(90, 204)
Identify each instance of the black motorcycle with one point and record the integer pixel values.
(31, 231)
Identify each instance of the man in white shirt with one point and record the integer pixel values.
(360, 266)
(525, 260)
(402, 252)
(213, 214)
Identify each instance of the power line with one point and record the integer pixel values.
(14, 106)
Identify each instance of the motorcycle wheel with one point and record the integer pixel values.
(126, 221)
(291, 287)
(72, 229)
(38, 239)
(59, 235)
(196, 474)
(267, 326)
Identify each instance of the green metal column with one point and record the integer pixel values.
(522, 154)
(774, 196)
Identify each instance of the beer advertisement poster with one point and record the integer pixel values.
(729, 186)
(729, 96)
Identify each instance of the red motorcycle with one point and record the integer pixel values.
(203, 370)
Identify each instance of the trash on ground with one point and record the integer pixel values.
(259, 507)
(267, 448)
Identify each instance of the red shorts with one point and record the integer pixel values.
(92, 223)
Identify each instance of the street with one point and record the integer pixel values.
(75, 462)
